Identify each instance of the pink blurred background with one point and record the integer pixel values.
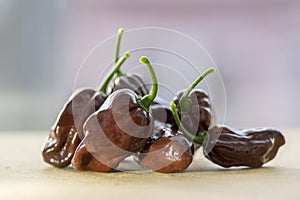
(255, 44)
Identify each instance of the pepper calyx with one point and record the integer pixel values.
(147, 100)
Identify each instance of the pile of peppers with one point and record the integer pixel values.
(98, 128)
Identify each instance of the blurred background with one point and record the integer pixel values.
(255, 44)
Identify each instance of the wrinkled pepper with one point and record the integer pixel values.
(252, 148)
(234, 148)
(66, 133)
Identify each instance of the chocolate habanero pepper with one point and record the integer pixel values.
(252, 148)
(173, 147)
(59, 147)
(120, 128)
(193, 107)
(127, 81)
(167, 151)
(233, 148)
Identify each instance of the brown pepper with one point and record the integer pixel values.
(121, 127)
(167, 151)
(64, 136)
(198, 117)
(252, 148)
(193, 107)
(118, 129)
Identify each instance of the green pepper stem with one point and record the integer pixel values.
(147, 100)
(117, 53)
(184, 102)
(196, 139)
(120, 33)
(108, 78)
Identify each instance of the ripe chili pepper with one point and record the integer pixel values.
(251, 148)
(167, 151)
(193, 107)
(121, 127)
(63, 139)
(228, 147)
(65, 134)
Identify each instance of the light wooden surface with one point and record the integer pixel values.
(23, 175)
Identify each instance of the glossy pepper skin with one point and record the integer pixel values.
(132, 82)
(117, 130)
(167, 151)
(251, 148)
(59, 147)
(198, 117)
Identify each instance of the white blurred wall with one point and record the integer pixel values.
(256, 45)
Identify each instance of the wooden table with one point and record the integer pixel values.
(23, 175)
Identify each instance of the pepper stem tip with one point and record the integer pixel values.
(120, 31)
(144, 60)
(126, 54)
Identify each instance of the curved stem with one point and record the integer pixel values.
(196, 139)
(184, 102)
(108, 78)
(120, 33)
(147, 100)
